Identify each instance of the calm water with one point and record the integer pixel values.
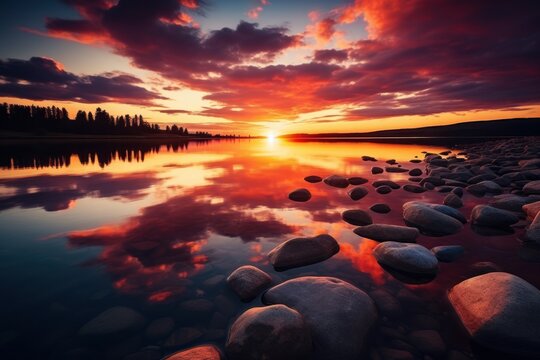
(85, 227)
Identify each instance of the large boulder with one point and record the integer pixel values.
(303, 251)
(532, 187)
(500, 311)
(248, 281)
(338, 314)
(489, 216)
(336, 181)
(203, 352)
(430, 219)
(113, 322)
(274, 332)
(357, 217)
(385, 232)
(406, 257)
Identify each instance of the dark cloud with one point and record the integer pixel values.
(330, 55)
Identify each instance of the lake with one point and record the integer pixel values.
(157, 228)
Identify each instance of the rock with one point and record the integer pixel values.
(406, 257)
(414, 188)
(415, 161)
(383, 190)
(484, 187)
(336, 181)
(357, 180)
(300, 195)
(146, 353)
(380, 208)
(196, 306)
(500, 311)
(384, 232)
(483, 267)
(531, 209)
(453, 200)
(358, 192)
(357, 217)
(429, 220)
(416, 172)
(485, 215)
(313, 179)
(395, 169)
(428, 342)
(213, 281)
(368, 158)
(159, 328)
(376, 170)
(415, 179)
(448, 253)
(391, 161)
(273, 332)
(394, 354)
(303, 251)
(532, 187)
(203, 352)
(385, 302)
(533, 231)
(181, 337)
(424, 322)
(458, 191)
(116, 321)
(248, 281)
(511, 202)
(338, 314)
(389, 183)
(433, 180)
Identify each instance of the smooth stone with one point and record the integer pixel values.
(484, 187)
(430, 220)
(385, 232)
(485, 215)
(181, 337)
(448, 253)
(213, 281)
(435, 181)
(196, 306)
(274, 332)
(377, 170)
(415, 179)
(248, 281)
(313, 179)
(117, 320)
(453, 200)
(406, 257)
(428, 342)
(414, 188)
(500, 311)
(391, 161)
(336, 181)
(389, 183)
(533, 231)
(511, 202)
(357, 217)
(532, 188)
(357, 180)
(383, 190)
(159, 328)
(483, 267)
(368, 158)
(416, 172)
(385, 302)
(338, 314)
(380, 208)
(415, 161)
(358, 192)
(300, 195)
(531, 209)
(395, 169)
(203, 352)
(303, 251)
(458, 191)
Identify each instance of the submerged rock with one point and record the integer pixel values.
(500, 311)
(358, 192)
(406, 257)
(377, 170)
(453, 200)
(357, 180)
(338, 314)
(448, 253)
(203, 352)
(389, 183)
(532, 188)
(430, 219)
(248, 281)
(303, 251)
(380, 208)
(485, 215)
(416, 172)
(357, 217)
(274, 332)
(385, 232)
(116, 321)
(300, 195)
(336, 181)
(414, 188)
(383, 190)
(159, 328)
(313, 179)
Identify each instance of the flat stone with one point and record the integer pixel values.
(448, 253)
(385, 232)
(406, 257)
(182, 336)
(159, 328)
(203, 352)
(430, 219)
(358, 192)
(336, 181)
(485, 215)
(416, 172)
(313, 179)
(357, 217)
(300, 195)
(357, 180)
(500, 311)
(368, 158)
(383, 190)
(115, 321)
(395, 169)
(248, 281)
(380, 208)
(414, 188)
(338, 314)
(453, 200)
(389, 183)
(273, 332)
(377, 170)
(303, 251)
(532, 187)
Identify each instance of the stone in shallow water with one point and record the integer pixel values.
(203, 352)
(303, 251)
(453, 200)
(357, 217)
(248, 281)
(338, 314)
(485, 215)
(428, 342)
(385, 232)
(532, 187)
(416, 172)
(358, 192)
(511, 202)
(414, 188)
(484, 187)
(368, 158)
(181, 337)
(273, 332)
(383, 190)
(533, 231)
(395, 169)
(448, 253)
(430, 219)
(377, 170)
(389, 183)
(300, 195)
(406, 257)
(336, 181)
(159, 328)
(532, 209)
(380, 208)
(500, 311)
(313, 179)
(118, 320)
(357, 180)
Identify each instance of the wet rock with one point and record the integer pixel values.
(483, 267)
(313, 179)
(385, 232)
(338, 314)
(357, 180)
(500, 311)
(300, 195)
(148, 353)
(430, 220)
(532, 188)
(383, 190)
(414, 188)
(274, 332)
(336, 181)
(395, 169)
(435, 181)
(368, 158)
(406, 257)
(181, 337)
(424, 322)
(428, 342)
(482, 177)
(377, 170)
(389, 183)
(458, 191)
(159, 328)
(448, 253)
(415, 161)
(214, 281)
(415, 179)
(358, 192)
(357, 217)
(196, 306)
(203, 352)
(416, 172)
(303, 251)
(511, 202)
(532, 209)
(485, 215)
(380, 208)
(395, 354)
(484, 187)
(391, 161)
(385, 302)
(113, 322)
(533, 231)
(453, 200)
(248, 281)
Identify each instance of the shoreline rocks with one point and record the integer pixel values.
(336, 181)
(248, 281)
(385, 232)
(431, 219)
(357, 217)
(406, 257)
(303, 251)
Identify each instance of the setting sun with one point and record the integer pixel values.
(271, 136)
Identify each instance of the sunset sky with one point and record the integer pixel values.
(281, 66)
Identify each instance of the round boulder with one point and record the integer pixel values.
(303, 251)
(406, 257)
(357, 217)
(336, 181)
(431, 220)
(248, 281)
(300, 195)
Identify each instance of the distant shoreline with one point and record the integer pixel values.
(4, 135)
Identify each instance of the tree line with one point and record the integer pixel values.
(53, 119)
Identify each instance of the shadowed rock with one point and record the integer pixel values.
(313, 179)
(453, 200)
(181, 337)
(248, 281)
(428, 342)
(416, 172)
(358, 192)
(159, 328)
(385, 232)
(532, 188)
(389, 183)
(113, 322)
(484, 187)
(203, 352)
(357, 217)
(357, 180)
(380, 208)
(377, 170)
(429, 220)
(395, 169)
(300, 195)
(336, 181)
(303, 251)
(448, 253)
(406, 257)
(383, 190)
(414, 188)
(485, 215)
(368, 158)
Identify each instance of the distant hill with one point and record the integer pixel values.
(487, 128)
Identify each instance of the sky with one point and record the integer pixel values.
(275, 66)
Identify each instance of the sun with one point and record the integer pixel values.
(271, 136)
